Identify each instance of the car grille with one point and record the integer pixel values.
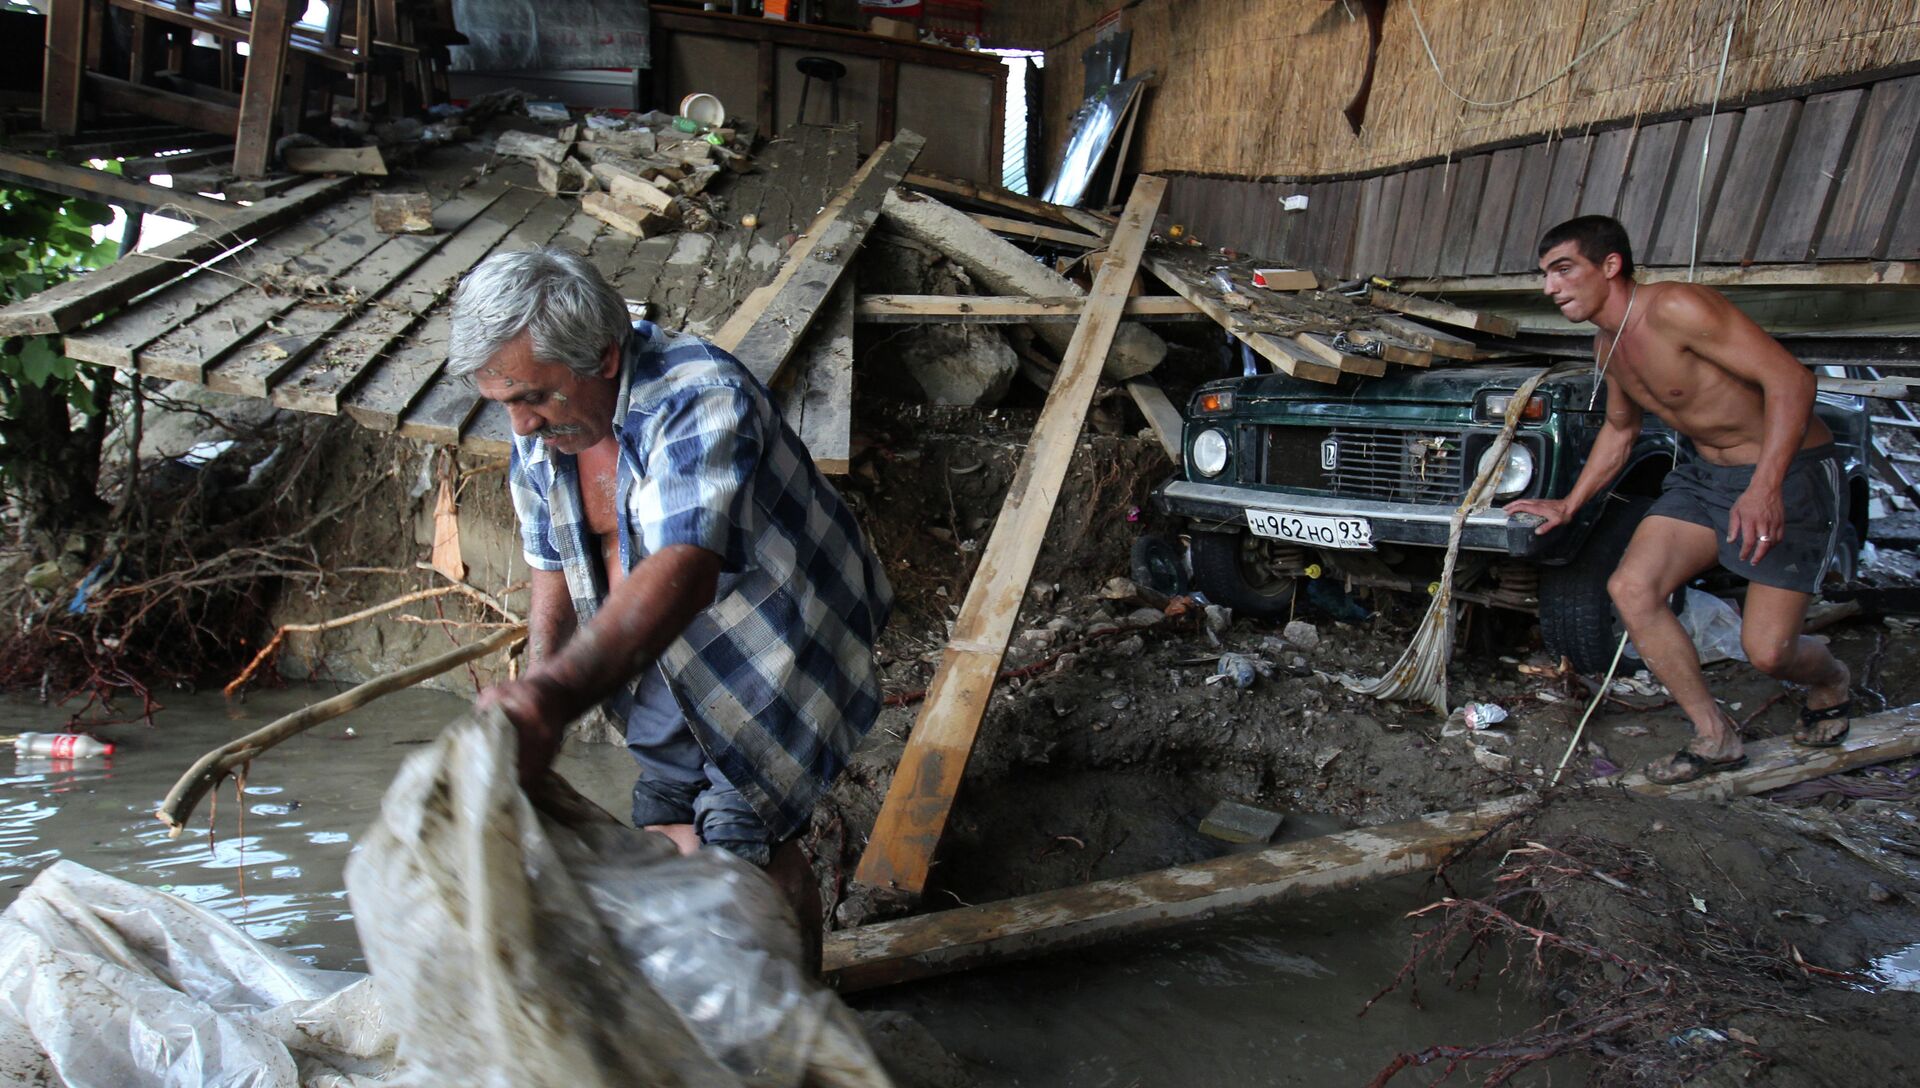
(1369, 463)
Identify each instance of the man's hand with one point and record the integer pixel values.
(1756, 522)
(1557, 512)
(529, 705)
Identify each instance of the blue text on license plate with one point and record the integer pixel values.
(1325, 532)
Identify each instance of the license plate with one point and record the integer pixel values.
(1351, 533)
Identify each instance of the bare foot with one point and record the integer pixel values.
(1823, 696)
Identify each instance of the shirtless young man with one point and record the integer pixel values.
(1759, 492)
(692, 571)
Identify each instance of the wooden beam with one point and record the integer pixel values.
(1162, 416)
(1285, 356)
(180, 109)
(267, 36)
(763, 332)
(1444, 344)
(1881, 388)
(911, 821)
(818, 404)
(1322, 348)
(1022, 229)
(1392, 350)
(1833, 274)
(50, 175)
(951, 940)
(365, 161)
(1009, 309)
(65, 67)
(983, 194)
(1447, 314)
(67, 306)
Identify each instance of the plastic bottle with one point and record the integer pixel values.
(60, 745)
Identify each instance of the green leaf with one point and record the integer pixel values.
(37, 360)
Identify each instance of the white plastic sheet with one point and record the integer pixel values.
(507, 948)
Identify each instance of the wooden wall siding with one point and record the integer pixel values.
(1496, 205)
(1643, 195)
(1607, 171)
(1255, 88)
(1695, 194)
(1463, 211)
(1753, 175)
(1824, 138)
(1836, 177)
(1878, 174)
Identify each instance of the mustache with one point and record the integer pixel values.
(558, 431)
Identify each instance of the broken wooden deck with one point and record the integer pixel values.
(319, 312)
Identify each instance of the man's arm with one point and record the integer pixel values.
(1604, 462)
(644, 613)
(550, 618)
(1704, 322)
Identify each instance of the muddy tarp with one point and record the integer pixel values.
(507, 947)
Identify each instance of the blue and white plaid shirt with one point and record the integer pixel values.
(776, 677)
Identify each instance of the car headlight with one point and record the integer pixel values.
(1516, 474)
(1210, 452)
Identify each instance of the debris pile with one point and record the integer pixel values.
(644, 174)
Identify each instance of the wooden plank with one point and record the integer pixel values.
(942, 942)
(991, 195)
(381, 400)
(1565, 184)
(1808, 177)
(50, 175)
(66, 306)
(1879, 172)
(186, 353)
(1373, 246)
(1519, 251)
(365, 161)
(1283, 355)
(763, 331)
(1496, 208)
(1446, 313)
(819, 404)
(1345, 221)
(1391, 349)
(1607, 167)
(65, 69)
(911, 820)
(116, 340)
(1698, 177)
(120, 96)
(1409, 219)
(260, 94)
(1463, 208)
(1444, 344)
(1165, 419)
(443, 412)
(1753, 175)
(1009, 309)
(1432, 238)
(1322, 348)
(1650, 177)
(1831, 274)
(1021, 229)
(273, 355)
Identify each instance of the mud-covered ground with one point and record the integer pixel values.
(1104, 756)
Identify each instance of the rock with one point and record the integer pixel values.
(1880, 893)
(964, 365)
(1131, 646)
(1144, 617)
(1218, 618)
(403, 213)
(46, 577)
(1231, 821)
(1498, 762)
(1302, 634)
(1131, 592)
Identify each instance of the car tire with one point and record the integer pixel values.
(1158, 565)
(1576, 614)
(1228, 575)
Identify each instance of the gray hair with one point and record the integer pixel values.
(570, 311)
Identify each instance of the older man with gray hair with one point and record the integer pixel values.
(692, 570)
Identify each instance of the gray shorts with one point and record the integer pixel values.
(678, 784)
(1814, 494)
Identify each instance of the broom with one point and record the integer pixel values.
(1421, 673)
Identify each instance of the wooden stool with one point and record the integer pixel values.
(826, 70)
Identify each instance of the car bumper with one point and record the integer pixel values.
(1222, 505)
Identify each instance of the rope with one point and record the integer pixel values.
(1579, 57)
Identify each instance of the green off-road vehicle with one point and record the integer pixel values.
(1287, 479)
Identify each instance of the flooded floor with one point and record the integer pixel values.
(1269, 999)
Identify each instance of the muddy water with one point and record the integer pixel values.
(1264, 1000)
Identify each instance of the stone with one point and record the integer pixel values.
(1232, 821)
(403, 213)
(968, 366)
(1219, 618)
(1302, 634)
(1880, 893)
(1131, 646)
(1145, 617)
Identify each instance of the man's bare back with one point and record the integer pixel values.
(1665, 367)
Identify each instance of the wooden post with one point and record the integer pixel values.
(260, 93)
(914, 816)
(66, 61)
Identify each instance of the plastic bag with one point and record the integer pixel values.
(1714, 626)
(511, 949)
(106, 984)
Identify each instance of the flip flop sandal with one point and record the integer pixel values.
(1686, 766)
(1808, 736)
